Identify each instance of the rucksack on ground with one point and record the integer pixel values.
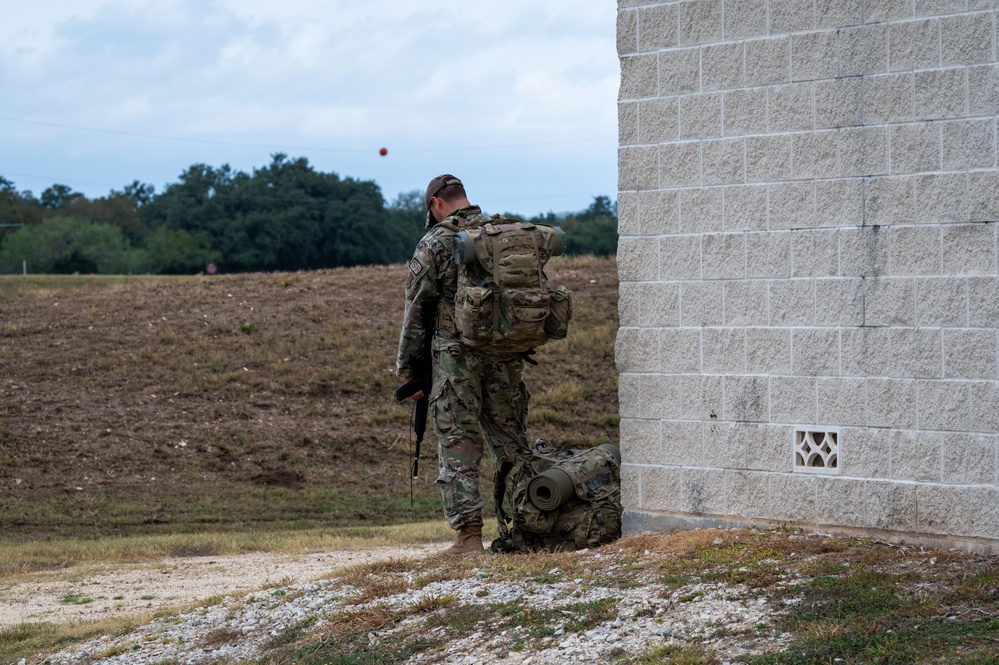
(504, 303)
(558, 500)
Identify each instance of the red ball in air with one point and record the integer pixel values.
(383, 152)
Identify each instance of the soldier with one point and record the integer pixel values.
(477, 400)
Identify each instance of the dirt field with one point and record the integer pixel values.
(231, 401)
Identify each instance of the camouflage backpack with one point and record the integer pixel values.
(504, 303)
(558, 500)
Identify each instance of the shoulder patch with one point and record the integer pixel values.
(415, 267)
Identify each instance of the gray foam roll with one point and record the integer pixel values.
(550, 489)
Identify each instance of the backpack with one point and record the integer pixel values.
(559, 500)
(503, 302)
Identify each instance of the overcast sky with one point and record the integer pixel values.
(516, 97)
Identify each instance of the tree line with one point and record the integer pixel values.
(282, 217)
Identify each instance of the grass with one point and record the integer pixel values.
(16, 285)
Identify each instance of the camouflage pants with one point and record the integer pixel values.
(478, 403)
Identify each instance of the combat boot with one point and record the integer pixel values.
(469, 541)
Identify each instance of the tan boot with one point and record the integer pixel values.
(469, 541)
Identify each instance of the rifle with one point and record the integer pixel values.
(423, 380)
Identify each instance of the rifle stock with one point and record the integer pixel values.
(422, 380)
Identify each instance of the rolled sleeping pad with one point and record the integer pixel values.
(552, 488)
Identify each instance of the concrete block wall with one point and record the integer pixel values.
(808, 196)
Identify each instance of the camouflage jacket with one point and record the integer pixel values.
(432, 274)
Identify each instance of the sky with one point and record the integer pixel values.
(515, 97)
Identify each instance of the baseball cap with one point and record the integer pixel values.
(437, 184)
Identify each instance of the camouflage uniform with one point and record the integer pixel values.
(477, 400)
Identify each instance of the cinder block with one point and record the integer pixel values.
(865, 452)
(723, 162)
(661, 488)
(747, 399)
(768, 255)
(983, 301)
(940, 93)
(659, 396)
(865, 351)
(679, 71)
(700, 21)
(889, 200)
(768, 351)
(916, 250)
(627, 214)
(723, 351)
(790, 107)
(768, 61)
(839, 302)
(638, 168)
(701, 303)
(700, 115)
(956, 510)
(982, 188)
(814, 56)
(917, 456)
(744, 112)
(701, 210)
(627, 123)
(627, 395)
(629, 304)
(940, 7)
(917, 353)
(725, 445)
(660, 304)
(745, 208)
(839, 103)
(768, 158)
(746, 303)
(791, 16)
(969, 249)
(814, 155)
(863, 252)
(744, 19)
(943, 405)
(631, 493)
(877, 11)
(639, 76)
(863, 151)
(638, 259)
(840, 501)
(627, 31)
(942, 301)
(913, 45)
(815, 351)
(891, 403)
(723, 255)
(889, 302)
(863, 50)
(983, 90)
(770, 447)
(891, 505)
(793, 400)
(682, 443)
(641, 441)
(815, 253)
(839, 203)
(942, 198)
(969, 144)
(703, 397)
(747, 493)
(658, 120)
(966, 39)
(632, 350)
(657, 27)
(791, 206)
(970, 354)
(681, 164)
(722, 66)
(888, 98)
(792, 497)
(838, 13)
(983, 397)
(792, 302)
(681, 350)
(658, 212)
(703, 491)
(969, 459)
(915, 148)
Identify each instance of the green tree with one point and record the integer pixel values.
(65, 245)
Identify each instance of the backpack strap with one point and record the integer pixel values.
(499, 490)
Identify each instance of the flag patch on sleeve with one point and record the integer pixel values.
(415, 267)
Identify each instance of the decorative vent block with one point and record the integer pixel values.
(816, 452)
